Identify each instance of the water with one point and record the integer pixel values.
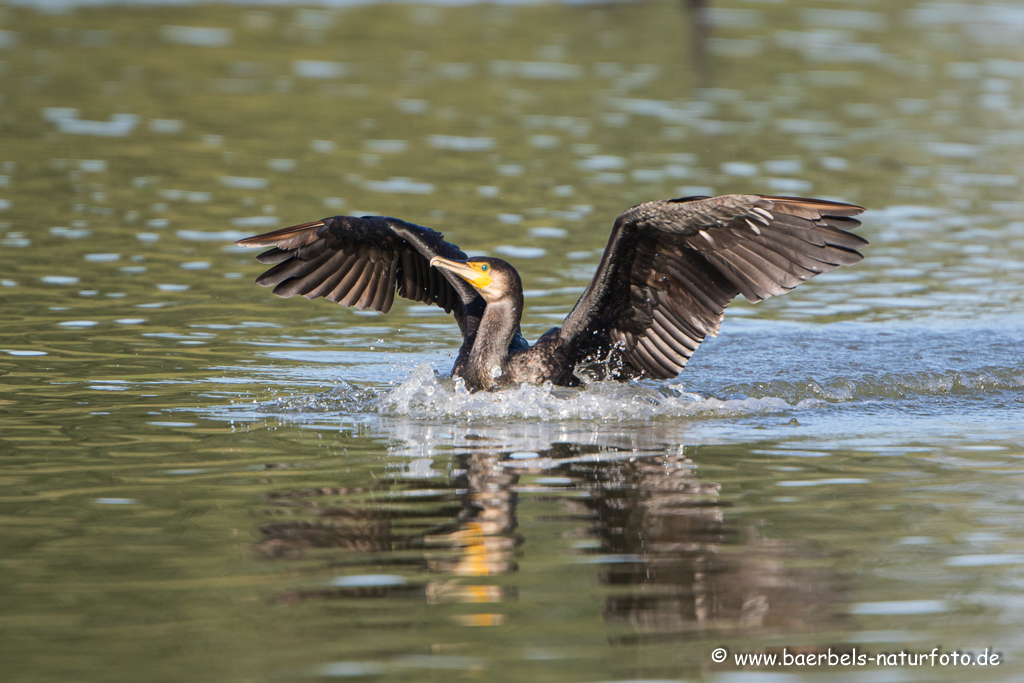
(202, 482)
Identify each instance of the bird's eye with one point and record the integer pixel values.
(485, 267)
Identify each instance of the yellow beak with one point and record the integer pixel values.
(468, 271)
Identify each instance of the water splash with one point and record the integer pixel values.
(424, 395)
(345, 398)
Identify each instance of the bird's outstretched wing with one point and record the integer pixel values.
(671, 267)
(363, 262)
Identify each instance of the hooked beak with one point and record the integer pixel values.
(470, 272)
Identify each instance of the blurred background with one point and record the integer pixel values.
(200, 481)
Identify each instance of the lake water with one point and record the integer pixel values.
(201, 482)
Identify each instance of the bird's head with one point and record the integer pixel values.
(492, 277)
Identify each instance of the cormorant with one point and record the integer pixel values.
(668, 272)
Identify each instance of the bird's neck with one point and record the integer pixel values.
(488, 361)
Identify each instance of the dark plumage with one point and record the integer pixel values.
(668, 272)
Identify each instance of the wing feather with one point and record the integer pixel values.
(363, 262)
(288, 269)
(663, 353)
(362, 293)
(390, 287)
(333, 276)
(682, 341)
(671, 267)
(648, 364)
(349, 289)
(385, 284)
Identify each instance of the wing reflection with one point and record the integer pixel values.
(679, 564)
(667, 556)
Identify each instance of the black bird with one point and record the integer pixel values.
(668, 272)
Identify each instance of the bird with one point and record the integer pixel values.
(668, 272)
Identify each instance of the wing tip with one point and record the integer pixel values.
(272, 238)
(823, 207)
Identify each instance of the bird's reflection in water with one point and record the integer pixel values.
(482, 541)
(477, 541)
(679, 564)
(667, 556)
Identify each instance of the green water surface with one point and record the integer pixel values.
(200, 482)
